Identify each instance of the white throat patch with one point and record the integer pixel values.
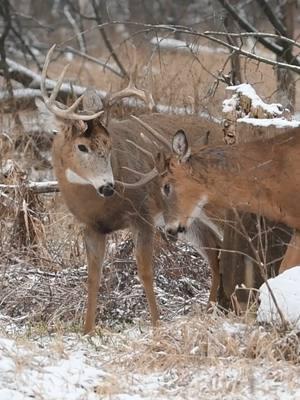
(198, 210)
(159, 220)
(72, 177)
(200, 213)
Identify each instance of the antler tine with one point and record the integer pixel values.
(154, 132)
(146, 177)
(148, 153)
(58, 84)
(52, 103)
(44, 74)
(149, 176)
(131, 90)
(75, 104)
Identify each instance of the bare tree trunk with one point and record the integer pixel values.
(230, 261)
(285, 78)
(5, 16)
(230, 26)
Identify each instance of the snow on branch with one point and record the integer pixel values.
(245, 106)
(247, 103)
(33, 80)
(166, 43)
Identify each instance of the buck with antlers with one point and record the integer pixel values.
(261, 177)
(92, 162)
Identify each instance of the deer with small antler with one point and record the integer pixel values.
(94, 163)
(260, 177)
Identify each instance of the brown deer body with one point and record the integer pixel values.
(261, 177)
(92, 161)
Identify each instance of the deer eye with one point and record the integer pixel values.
(83, 148)
(166, 189)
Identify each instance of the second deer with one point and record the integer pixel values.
(261, 177)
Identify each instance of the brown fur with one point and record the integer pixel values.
(261, 177)
(127, 208)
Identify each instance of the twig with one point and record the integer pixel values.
(293, 65)
(255, 35)
(272, 17)
(104, 64)
(248, 27)
(26, 47)
(284, 322)
(77, 32)
(106, 40)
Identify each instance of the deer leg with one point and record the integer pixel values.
(144, 254)
(95, 249)
(213, 261)
(292, 255)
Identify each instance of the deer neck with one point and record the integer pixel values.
(231, 179)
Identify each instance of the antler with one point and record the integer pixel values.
(146, 177)
(51, 102)
(154, 132)
(131, 90)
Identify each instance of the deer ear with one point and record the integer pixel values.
(181, 146)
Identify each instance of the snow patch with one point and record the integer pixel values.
(286, 291)
(247, 107)
(276, 122)
(245, 89)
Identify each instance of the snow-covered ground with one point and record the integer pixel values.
(205, 356)
(202, 356)
(71, 368)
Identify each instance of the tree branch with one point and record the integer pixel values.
(279, 27)
(76, 29)
(25, 46)
(293, 65)
(106, 40)
(248, 27)
(5, 13)
(255, 35)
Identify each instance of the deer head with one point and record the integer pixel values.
(182, 203)
(83, 137)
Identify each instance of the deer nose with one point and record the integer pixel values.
(172, 233)
(181, 229)
(106, 190)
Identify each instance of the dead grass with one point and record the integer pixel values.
(38, 295)
(200, 338)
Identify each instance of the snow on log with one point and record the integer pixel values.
(35, 187)
(246, 107)
(286, 291)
